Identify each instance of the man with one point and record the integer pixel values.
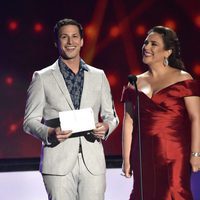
(72, 164)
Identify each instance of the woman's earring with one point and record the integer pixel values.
(165, 62)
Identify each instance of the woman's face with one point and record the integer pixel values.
(153, 50)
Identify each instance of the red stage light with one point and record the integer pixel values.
(38, 27)
(140, 30)
(114, 31)
(90, 31)
(9, 80)
(197, 21)
(136, 71)
(196, 69)
(13, 25)
(12, 128)
(112, 78)
(170, 23)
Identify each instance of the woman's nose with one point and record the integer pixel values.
(146, 46)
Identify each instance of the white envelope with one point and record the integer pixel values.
(77, 120)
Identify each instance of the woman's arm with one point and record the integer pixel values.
(193, 107)
(127, 130)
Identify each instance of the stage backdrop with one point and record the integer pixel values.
(114, 34)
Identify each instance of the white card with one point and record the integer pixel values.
(77, 120)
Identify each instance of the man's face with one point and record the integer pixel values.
(69, 42)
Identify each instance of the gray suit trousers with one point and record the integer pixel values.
(79, 184)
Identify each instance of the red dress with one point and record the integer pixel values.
(166, 139)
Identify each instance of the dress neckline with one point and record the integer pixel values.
(167, 87)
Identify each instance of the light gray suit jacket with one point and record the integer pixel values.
(47, 96)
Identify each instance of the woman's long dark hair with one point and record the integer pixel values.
(171, 41)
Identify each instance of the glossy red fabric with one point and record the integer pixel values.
(166, 136)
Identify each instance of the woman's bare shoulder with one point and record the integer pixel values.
(183, 75)
(143, 83)
(143, 77)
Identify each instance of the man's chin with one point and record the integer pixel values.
(67, 57)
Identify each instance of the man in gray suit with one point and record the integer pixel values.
(72, 164)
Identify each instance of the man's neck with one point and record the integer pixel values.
(73, 64)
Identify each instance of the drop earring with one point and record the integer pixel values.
(165, 62)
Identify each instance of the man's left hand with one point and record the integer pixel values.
(100, 130)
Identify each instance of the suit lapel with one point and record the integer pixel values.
(86, 89)
(61, 83)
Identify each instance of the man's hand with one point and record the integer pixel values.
(100, 130)
(55, 134)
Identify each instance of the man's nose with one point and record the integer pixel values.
(69, 40)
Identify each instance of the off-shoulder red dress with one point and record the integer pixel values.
(166, 139)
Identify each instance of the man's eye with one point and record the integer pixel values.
(63, 36)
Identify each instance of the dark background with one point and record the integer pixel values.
(114, 34)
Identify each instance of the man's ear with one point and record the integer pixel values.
(82, 42)
(55, 44)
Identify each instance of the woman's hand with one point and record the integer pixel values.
(195, 163)
(126, 169)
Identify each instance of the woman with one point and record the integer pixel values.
(170, 122)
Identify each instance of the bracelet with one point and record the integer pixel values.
(195, 154)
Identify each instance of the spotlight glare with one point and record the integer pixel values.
(140, 30)
(136, 71)
(171, 24)
(38, 27)
(9, 80)
(13, 25)
(196, 69)
(12, 128)
(114, 31)
(90, 31)
(112, 79)
(197, 21)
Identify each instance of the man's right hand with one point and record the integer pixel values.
(55, 134)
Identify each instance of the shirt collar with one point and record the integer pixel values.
(62, 65)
